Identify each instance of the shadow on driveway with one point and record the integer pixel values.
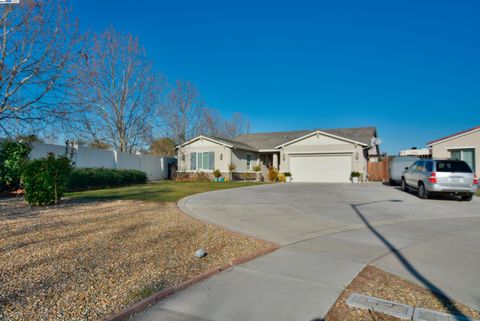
(445, 300)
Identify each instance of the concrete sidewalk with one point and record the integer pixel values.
(325, 245)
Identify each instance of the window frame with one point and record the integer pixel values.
(204, 161)
(462, 158)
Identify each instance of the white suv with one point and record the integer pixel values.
(440, 176)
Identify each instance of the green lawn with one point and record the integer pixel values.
(164, 191)
(478, 193)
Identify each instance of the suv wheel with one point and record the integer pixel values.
(422, 192)
(467, 197)
(404, 185)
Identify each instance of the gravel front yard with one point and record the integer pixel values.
(83, 261)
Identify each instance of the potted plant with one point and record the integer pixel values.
(355, 175)
(288, 176)
(257, 168)
(217, 174)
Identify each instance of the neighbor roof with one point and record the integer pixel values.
(463, 132)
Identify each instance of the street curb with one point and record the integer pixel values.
(154, 298)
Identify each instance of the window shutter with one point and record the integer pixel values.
(211, 160)
(193, 161)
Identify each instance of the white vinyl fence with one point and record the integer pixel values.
(156, 167)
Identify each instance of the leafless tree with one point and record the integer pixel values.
(237, 125)
(212, 123)
(117, 91)
(37, 46)
(182, 112)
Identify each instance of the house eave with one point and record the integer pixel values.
(206, 138)
(320, 133)
(446, 139)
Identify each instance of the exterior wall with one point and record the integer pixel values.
(239, 158)
(322, 145)
(155, 167)
(223, 155)
(472, 140)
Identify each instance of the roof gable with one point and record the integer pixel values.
(453, 136)
(321, 133)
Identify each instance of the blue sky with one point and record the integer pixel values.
(410, 68)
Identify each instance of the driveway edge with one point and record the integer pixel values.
(157, 296)
(154, 298)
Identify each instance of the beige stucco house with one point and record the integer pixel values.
(309, 155)
(464, 145)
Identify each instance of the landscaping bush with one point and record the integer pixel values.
(257, 168)
(95, 178)
(217, 173)
(272, 174)
(13, 157)
(201, 177)
(45, 180)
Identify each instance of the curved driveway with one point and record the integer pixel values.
(328, 233)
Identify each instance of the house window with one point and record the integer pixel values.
(193, 161)
(467, 155)
(249, 162)
(202, 161)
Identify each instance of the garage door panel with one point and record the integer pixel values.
(325, 168)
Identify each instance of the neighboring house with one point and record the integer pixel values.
(309, 155)
(419, 152)
(464, 145)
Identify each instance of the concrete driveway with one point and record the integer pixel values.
(328, 233)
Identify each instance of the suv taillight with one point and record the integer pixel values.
(433, 178)
(475, 180)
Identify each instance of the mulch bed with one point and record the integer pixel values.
(84, 261)
(378, 283)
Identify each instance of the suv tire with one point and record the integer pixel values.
(467, 198)
(422, 192)
(403, 185)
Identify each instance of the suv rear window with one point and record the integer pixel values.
(453, 166)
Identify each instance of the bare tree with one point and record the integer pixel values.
(37, 46)
(182, 111)
(237, 125)
(117, 92)
(212, 123)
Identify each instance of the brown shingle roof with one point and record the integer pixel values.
(273, 139)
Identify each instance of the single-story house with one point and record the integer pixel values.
(464, 145)
(309, 155)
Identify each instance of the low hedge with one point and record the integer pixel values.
(95, 178)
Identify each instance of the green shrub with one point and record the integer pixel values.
(257, 168)
(217, 173)
(45, 180)
(95, 178)
(355, 174)
(13, 157)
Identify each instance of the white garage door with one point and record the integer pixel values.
(321, 168)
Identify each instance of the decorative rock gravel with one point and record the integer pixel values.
(84, 261)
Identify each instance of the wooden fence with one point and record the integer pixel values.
(378, 171)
